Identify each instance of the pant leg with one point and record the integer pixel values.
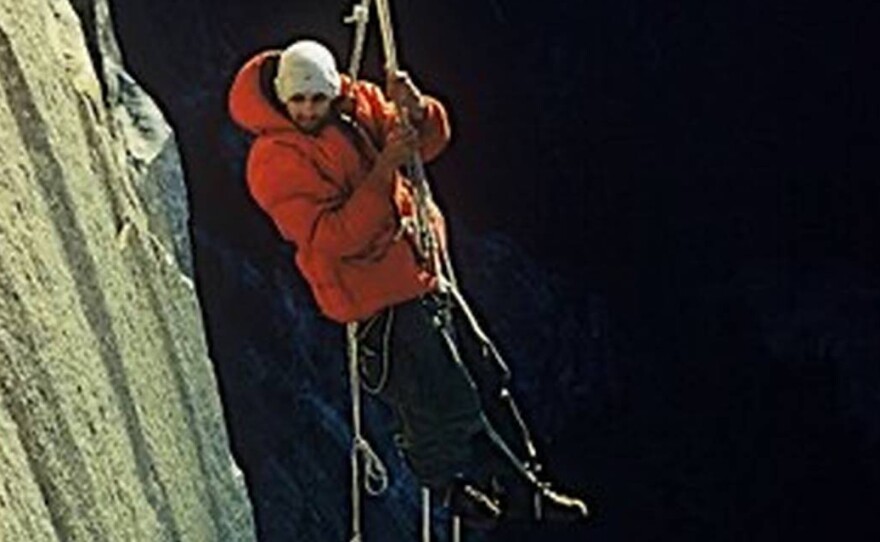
(436, 404)
(493, 380)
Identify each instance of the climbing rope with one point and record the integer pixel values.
(436, 255)
(375, 473)
(375, 470)
(360, 16)
(427, 245)
(456, 529)
(426, 514)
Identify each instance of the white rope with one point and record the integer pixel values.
(441, 264)
(481, 334)
(426, 242)
(375, 473)
(388, 45)
(426, 515)
(354, 384)
(360, 16)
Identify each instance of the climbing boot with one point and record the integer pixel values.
(552, 505)
(535, 501)
(477, 509)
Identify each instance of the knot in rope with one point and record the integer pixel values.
(375, 473)
(360, 14)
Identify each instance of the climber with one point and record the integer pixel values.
(325, 166)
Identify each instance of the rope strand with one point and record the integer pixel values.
(375, 473)
(360, 17)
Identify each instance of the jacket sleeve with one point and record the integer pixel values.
(313, 212)
(434, 130)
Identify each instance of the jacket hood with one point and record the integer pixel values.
(252, 104)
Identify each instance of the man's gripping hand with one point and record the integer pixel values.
(400, 144)
(406, 95)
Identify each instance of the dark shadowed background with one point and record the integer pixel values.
(667, 212)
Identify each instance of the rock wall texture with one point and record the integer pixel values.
(111, 427)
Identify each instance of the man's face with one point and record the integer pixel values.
(309, 111)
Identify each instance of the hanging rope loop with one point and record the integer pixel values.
(375, 473)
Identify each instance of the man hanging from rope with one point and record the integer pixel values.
(325, 166)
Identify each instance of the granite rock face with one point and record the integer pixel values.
(111, 426)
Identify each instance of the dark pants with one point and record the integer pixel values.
(426, 383)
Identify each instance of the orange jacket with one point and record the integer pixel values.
(324, 196)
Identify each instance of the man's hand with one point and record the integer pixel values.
(406, 95)
(400, 144)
